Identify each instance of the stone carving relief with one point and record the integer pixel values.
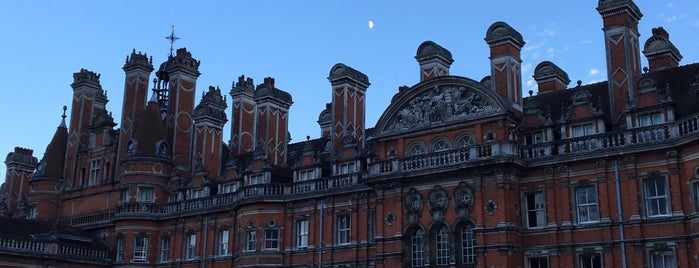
(412, 203)
(440, 105)
(438, 203)
(463, 199)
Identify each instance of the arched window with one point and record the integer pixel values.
(441, 145)
(417, 249)
(468, 245)
(441, 251)
(417, 149)
(465, 141)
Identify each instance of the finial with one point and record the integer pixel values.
(172, 37)
(65, 108)
(63, 121)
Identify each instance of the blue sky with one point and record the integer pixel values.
(296, 42)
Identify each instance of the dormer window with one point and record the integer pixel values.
(347, 168)
(534, 138)
(307, 174)
(650, 119)
(582, 130)
(257, 179)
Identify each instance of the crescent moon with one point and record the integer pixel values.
(371, 24)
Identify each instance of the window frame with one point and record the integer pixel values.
(141, 244)
(417, 248)
(270, 239)
(223, 242)
(119, 249)
(540, 258)
(651, 118)
(190, 247)
(306, 174)
(667, 252)
(441, 145)
(250, 240)
(93, 176)
(528, 211)
(468, 245)
(164, 249)
(145, 194)
(584, 128)
(650, 200)
(441, 246)
(256, 179)
(302, 233)
(588, 206)
(347, 168)
(343, 229)
(582, 259)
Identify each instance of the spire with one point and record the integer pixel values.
(63, 121)
(51, 165)
(172, 37)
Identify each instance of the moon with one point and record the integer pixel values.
(371, 24)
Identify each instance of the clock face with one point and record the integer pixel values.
(417, 204)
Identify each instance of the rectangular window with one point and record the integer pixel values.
(536, 209)
(227, 188)
(342, 229)
(695, 192)
(140, 248)
(468, 246)
(197, 193)
(145, 195)
(586, 202)
(302, 233)
(650, 119)
(271, 239)
(33, 212)
(539, 262)
(442, 246)
(662, 259)
(119, 253)
(223, 239)
(308, 174)
(590, 261)
(165, 249)
(347, 168)
(250, 240)
(190, 246)
(656, 197)
(257, 179)
(173, 197)
(582, 130)
(417, 249)
(124, 196)
(94, 172)
(534, 138)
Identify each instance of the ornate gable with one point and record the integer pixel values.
(438, 102)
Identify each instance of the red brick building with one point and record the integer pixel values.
(457, 172)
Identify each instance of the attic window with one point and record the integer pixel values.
(582, 130)
(650, 119)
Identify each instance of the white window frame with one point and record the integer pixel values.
(307, 174)
(145, 195)
(343, 229)
(141, 244)
(657, 203)
(302, 231)
(165, 249)
(441, 246)
(582, 130)
(125, 195)
(534, 138)
(223, 242)
(190, 246)
(586, 204)
(93, 178)
(257, 179)
(594, 260)
(536, 214)
(347, 168)
(250, 240)
(417, 149)
(119, 252)
(662, 258)
(33, 212)
(225, 188)
(650, 119)
(417, 248)
(440, 146)
(468, 246)
(270, 239)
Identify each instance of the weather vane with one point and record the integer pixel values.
(172, 37)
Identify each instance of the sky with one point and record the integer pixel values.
(297, 42)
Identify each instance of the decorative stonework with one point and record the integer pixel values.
(412, 203)
(463, 199)
(490, 207)
(438, 203)
(390, 218)
(440, 105)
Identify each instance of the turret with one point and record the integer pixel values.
(20, 165)
(434, 60)
(45, 185)
(505, 62)
(550, 77)
(137, 69)
(243, 116)
(209, 119)
(620, 26)
(272, 123)
(348, 106)
(660, 52)
(88, 101)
